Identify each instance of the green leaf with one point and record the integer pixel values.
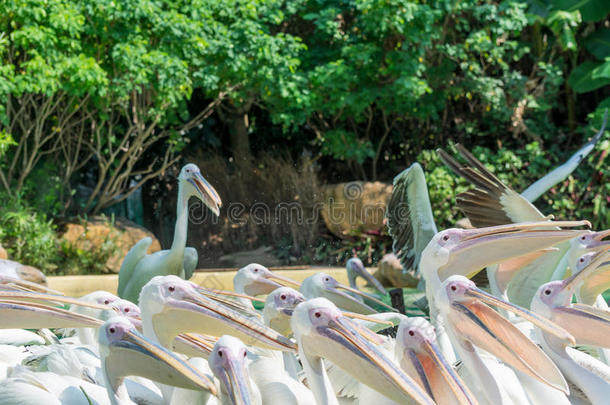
(591, 10)
(582, 79)
(598, 43)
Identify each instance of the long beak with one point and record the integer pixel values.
(599, 244)
(31, 315)
(235, 379)
(600, 259)
(48, 299)
(133, 354)
(595, 284)
(196, 313)
(228, 298)
(208, 194)
(483, 247)
(508, 269)
(482, 326)
(589, 325)
(343, 344)
(438, 376)
(363, 307)
(25, 285)
(194, 345)
(285, 281)
(369, 277)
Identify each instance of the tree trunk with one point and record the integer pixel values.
(240, 142)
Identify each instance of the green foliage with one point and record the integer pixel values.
(28, 235)
(31, 239)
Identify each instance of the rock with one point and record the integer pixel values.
(3, 254)
(355, 207)
(92, 234)
(263, 255)
(14, 269)
(389, 272)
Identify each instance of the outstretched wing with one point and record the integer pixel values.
(191, 258)
(490, 202)
(135, 254)
(562, 172)
(409, 216)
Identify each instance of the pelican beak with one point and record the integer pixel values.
(588, 324)
(206, 192)
(133, 354)
(351, 304)
(598, 244)
(194, 345)
(482, 247)
(24, 285)
(342, 342)
(437, 376)
(32, 315)
(234, 377)
(196, 313)
(47, 299)
(362, 271)
(482, 326)
(268, 282)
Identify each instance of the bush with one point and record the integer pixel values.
(32, 239)
(28, 236)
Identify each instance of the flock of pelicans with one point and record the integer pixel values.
(316, 342)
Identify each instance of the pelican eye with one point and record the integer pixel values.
(583, 237)
(446, 238)
(326, 279)
(220, 353)
(126, 310)
(453, 288)
(582, 260)
(283, 296)
(106, 302)
(547, 292)
(411, 333)
(245, 353)
(317, 314)
(256, 270)
(112, 330)
(171, 288)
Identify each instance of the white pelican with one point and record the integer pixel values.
(589, 325)
(416, 352)
(322, 332)
(228, 363)
(125, 352)
(466, 251)
(323, 285)
(355, 268)
(471, 324)
(255, 279)
(171, 305)
(138, 267)
(491, 203)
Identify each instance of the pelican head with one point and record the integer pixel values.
(467, 251)
(355, 268)
(419, 355)
(128, 310)
(171, 305)
(323, 285)
(589, 242)
(228, 363)
(588, 325)
(125, 352)
(196, 185)
(255, 279)
(467, 314)
(279, 306)
(322, 331)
